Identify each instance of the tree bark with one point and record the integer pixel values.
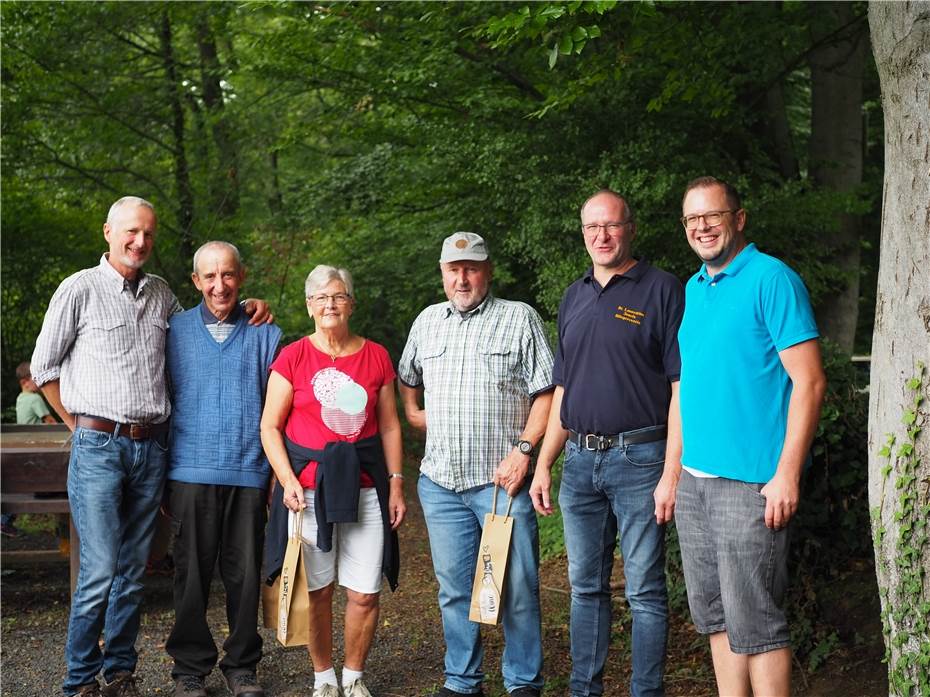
(836, 156)
(898, 479)
(226, 184)
(182, 181)
(780, 131)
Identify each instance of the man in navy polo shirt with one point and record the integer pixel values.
(751, 390)
(616, 368)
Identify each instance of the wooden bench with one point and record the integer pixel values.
(34, 479)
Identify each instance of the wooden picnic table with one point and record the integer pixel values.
(34, 477)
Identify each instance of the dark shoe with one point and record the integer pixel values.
(189, 686)
(242, 683)
(525, 692)
(122, 685)
(446, 692)
(91, 689)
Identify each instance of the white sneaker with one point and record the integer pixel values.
(356, 688)
(326, 691)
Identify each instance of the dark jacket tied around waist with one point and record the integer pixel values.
(335, 499)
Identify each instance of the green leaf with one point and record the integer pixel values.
(565, 45)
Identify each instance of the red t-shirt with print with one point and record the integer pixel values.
(334, 400)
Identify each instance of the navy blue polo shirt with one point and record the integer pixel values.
(618, 350)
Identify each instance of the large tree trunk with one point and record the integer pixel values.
(836, 153)
(226, 184)
(899, 472)
(182, 181)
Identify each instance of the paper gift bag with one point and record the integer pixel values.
(488, 588)
(293, 626)
(270, 604)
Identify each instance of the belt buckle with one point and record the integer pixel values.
(138, 431)
(600, 442)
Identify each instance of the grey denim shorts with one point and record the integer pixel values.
(735, 567)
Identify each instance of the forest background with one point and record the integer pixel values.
(362, 134)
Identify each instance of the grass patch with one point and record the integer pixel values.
(36, 523)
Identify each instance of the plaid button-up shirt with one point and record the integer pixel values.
(106, 344)
(479, 372)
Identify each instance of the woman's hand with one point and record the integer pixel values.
(294, 495)
(397, 506)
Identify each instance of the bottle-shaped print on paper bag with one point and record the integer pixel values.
(489, 598)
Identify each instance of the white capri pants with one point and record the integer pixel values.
(359, 547)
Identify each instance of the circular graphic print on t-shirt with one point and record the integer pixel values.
(343, 400)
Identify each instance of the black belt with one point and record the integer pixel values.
(593, 441)
(133, 431)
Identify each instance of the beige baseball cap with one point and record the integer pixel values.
(463, 246)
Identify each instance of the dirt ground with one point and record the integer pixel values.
(407, 657)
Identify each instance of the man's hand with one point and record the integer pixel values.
(397, 506)
(258, 311)
(664, 496)
(539, 491)
(781, 501)
(512, 471)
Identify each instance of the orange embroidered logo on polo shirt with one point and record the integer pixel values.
(628, 314)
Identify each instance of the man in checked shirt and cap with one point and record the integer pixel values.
(100, 361)
(484, 370)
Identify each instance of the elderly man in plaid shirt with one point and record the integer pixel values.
(484, 370)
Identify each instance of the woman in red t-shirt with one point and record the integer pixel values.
(336, 386)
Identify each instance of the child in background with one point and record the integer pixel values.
(30, 409)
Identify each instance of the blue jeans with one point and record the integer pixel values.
(114, 487)
(454, 521)
(601, 492)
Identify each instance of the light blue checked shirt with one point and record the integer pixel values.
(479, 372)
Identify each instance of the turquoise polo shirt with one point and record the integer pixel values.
(734, 390)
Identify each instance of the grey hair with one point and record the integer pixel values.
(219, 244)
(127, 201)
(322, 275)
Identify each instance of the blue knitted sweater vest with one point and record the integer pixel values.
(217, 395)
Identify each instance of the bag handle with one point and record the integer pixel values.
(494, 504)
(295, 520)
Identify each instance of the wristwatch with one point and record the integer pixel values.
(525, 447)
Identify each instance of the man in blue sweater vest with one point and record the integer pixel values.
(217, 473)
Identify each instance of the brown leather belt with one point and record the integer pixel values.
(133, 431)
(593, 441)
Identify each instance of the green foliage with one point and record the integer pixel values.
(832, 522)
(551, 538)
(905, 600)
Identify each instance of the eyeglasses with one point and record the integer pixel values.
(323, 299)
(612, 228)
(711, 218)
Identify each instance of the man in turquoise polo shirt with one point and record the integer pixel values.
(741, 426)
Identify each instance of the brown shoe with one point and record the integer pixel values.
(243, 683)
(122, 685)
(91, 689)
